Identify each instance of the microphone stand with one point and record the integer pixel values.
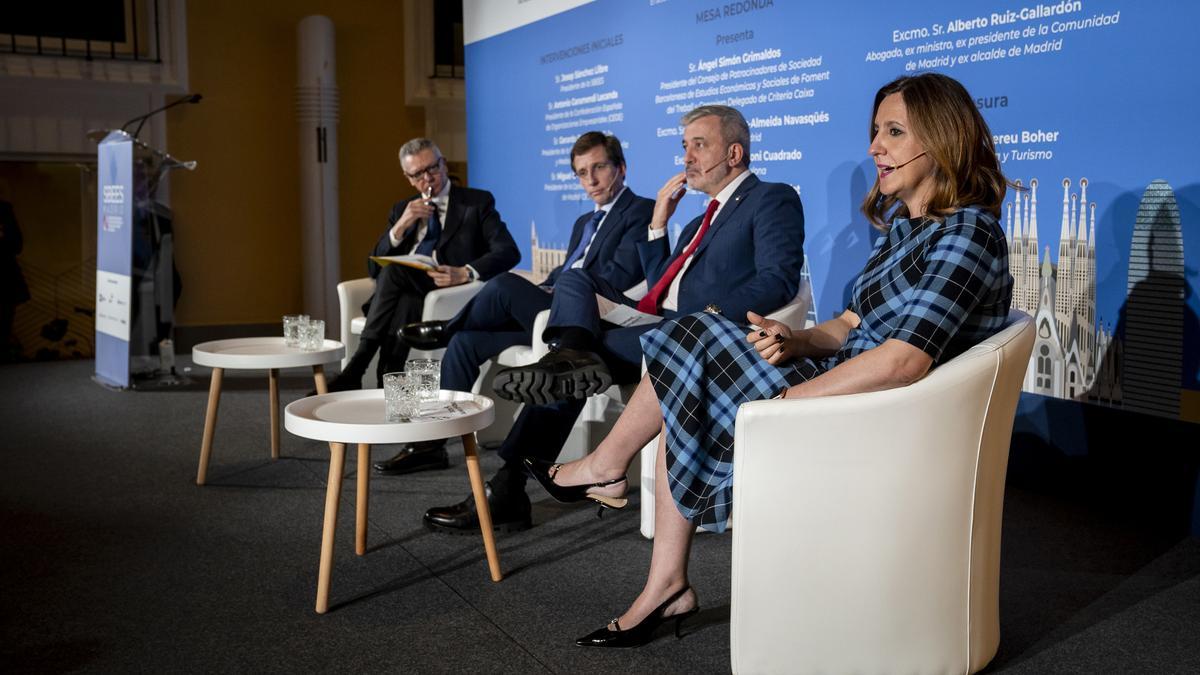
(194, 98)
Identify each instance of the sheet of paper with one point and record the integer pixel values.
(421, 262)
(437, 411)
(623, 315)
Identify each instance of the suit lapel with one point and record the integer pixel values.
(685, 237)
(577, 231)
(454, 216)
(611, 223)
(727, 211)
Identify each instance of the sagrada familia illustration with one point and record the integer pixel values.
(1078, 355)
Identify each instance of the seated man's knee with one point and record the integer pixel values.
(505, 282)
(398, 274)
(391, 271)
(500, 286)
(575, 278)
(574, 273)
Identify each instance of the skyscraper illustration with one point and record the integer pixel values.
(1153, 339)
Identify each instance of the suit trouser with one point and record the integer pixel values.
(575, 303)
(399, 297)
(500, 316)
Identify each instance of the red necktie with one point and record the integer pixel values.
(652, 302)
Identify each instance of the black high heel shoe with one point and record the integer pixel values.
(544, 472)
(641, 633)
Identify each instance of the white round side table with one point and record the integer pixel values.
(359, 417)
(269, 353)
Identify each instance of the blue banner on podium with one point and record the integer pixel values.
(114, 253)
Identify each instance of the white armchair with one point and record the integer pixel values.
(440, 304)
(866, 528)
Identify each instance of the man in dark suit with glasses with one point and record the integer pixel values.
(459, 227)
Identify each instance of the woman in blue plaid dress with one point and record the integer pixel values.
(936, 283)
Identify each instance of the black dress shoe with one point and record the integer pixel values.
(544, 472)
(641, 633)
(415, 457)
(558, 376)
(425, 335)
(510, 513)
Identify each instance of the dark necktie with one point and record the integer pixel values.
(652, 303)
(589, 231)
(432, 231)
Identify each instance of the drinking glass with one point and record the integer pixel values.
(427, 374)
(313, 335)
(401, 402)
(291, 328)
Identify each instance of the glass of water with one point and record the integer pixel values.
(428, 376)
(312, 335)
(291, 328)
(401, 400)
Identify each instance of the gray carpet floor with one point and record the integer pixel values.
(113, 560)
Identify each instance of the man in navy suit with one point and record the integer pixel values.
(459, 227)
(604, 241)
(745, 253)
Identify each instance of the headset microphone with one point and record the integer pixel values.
(703, 172)
(723, 160)
(904, 164)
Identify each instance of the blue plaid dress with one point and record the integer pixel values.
(941, 287)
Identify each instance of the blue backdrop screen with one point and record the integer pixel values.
(1081, 97)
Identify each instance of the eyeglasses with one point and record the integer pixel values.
(597, 168)
(429, 171)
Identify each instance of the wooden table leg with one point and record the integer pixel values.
(360, 506)
(333, 492)
(319, 378)
(273, 376)
(210, 424)
(481, 506)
